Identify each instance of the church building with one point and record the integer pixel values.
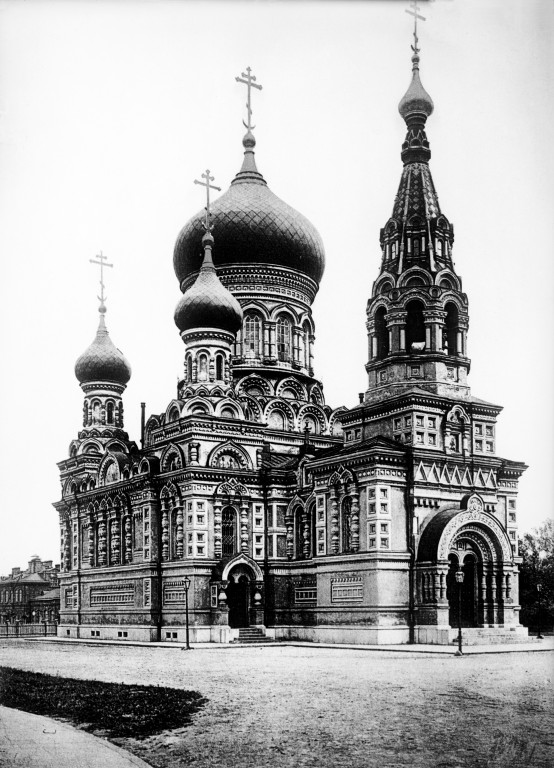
(251, 506)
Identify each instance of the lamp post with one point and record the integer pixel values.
(539, 636)
(459, 581)
(186, 585)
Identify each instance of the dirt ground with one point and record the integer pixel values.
(308, 707)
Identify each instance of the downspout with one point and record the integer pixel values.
(159, 585)
(79, 550)
(263, 480)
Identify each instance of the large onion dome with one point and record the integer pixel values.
(207, 303)
(253, 226)
(102, 361)
(416, 100)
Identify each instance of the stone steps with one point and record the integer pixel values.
(492, 636)
(252, 635)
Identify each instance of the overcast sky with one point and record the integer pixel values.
(109, 110)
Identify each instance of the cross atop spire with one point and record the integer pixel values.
(250, 81)
(207, 224)
(413, 10)
(101, 261)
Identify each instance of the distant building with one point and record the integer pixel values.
(304, 521)
(20, 590)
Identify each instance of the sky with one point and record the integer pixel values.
(110, 110)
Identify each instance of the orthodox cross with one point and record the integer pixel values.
(413, 10)
(250, 82)
(101, 261)
(208, 187)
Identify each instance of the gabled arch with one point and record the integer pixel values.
(290, 384)
(242, 559)
(284, 408)
(170, 491)
(229, 489)
(231, 449)
(255, 307)
(253, 381)
(286, 311)
(173, 411)
(172, 458)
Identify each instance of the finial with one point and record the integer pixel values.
(207, 223)
(250, 81)
(101, 261)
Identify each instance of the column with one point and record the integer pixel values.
(128, 527)
(91, 540)
(244, 527)
(67, 545)
(305, 535)
(102, 542)
(217, 530)
(272, 348)
(296, 346)
(311, 340)
(179, 534)
(289, 525)
(334, 523)
(355, 520)
(165, 530)
(266, 340)
(115, 550)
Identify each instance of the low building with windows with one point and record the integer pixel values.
(22, 587)
(283, 513)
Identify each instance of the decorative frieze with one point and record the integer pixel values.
(347, 589)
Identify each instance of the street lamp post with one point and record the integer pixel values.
(459, 581)
(539, 636)
(186, 585)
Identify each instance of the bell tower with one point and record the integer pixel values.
(417, 315)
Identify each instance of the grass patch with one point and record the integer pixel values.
(119, 710)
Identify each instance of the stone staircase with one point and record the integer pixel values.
(252, 635)
(492, 635)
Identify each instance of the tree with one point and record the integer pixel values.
(537, 550)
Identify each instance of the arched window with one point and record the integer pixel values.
(202, 367)
(415, 325)
(227, 461)
(252, 341)
(219, 367)
(438, 247)
(346, 524)
(228, 413)
(382, 333)
(284, 339)
(109, 412)
(189, 368)
(451, 329)
(96, 411)
(276, 420)
(416, 245)
(305, 360)
(228, 532)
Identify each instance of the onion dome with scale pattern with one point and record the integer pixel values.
(254, 227)
(102, 360)
(207, 303)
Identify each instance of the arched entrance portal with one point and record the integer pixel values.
(468, 591)
(238, 596)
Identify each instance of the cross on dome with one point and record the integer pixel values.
(101, 261)
(250, 81)
(413, 10)
(207, 225)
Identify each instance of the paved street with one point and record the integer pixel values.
(288, 706)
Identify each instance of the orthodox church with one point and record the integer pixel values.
(251, 508)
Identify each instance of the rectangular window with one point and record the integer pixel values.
(372, 508)
(281, 546)
(189, 505)
(372, 528)
(258, 552)
(146, 513)
(321, 534)
(432, 439)
(512, 503)
(281, 516)
(384, 508)
(489, 447)
(512, 516)
(200, 550)
(200, 506)
(512, 534)
(372, 543)
(398, 423)
(488, 431)
(478, 429)
(321, 548)
(146, 526)
(200, 519)
(189, 550)
(270, 547)
(258, 539)
(419, 421)
(258, 522)
(200, 537)
(384, 542)
(478, 445)
(432, 422)
(189, 519)
(189, 536)
(384, 493)
(320, 515)
(419, 438)
(147, 554)
(407, 421)
(372, 493)
(384, 527)
(147, 541)
(407, 437)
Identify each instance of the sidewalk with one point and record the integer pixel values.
(547, 644)
(33, 741)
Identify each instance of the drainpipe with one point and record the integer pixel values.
(142, 421)
(264, 469)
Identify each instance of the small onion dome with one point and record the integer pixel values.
(207, 303)
(102, 361)
(253, 226)
(416, 100)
